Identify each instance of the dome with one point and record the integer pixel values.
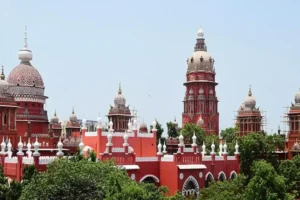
(143, 125)
(54, 119)
(120, 99)
(25, 75)
(200, 121)
(73, 117)
(296, 146)
(297, 97)
(200, 60)
(250, 101)
(200, 33)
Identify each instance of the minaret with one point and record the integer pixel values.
(200, 100)
(2, 76)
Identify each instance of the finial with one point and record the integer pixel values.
(73, 112)
(250, 92)
(120, 89)
(200, 33)
(2, 76)
(25, 37)
(55, 113)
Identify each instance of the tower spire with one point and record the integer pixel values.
(2, 76)
(25, 37)
(250, 92)
(120, 89)
(55, 113)
(73, 112)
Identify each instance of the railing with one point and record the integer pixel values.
(219, 158)
(120, 159)
(11, 160)
(45, 160)
(145, 135)
(118, 134)
(206, 158)
(187, 158)
(188, 150)
(90, 134)
(118, 150)
(231, 158)
(28, 161)
(146, 159)
(167, 158)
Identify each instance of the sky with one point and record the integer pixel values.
(83, 49)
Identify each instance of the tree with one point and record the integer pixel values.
(14, 191)
(189, 130)
(229, 134)
(225, 190)
(159, 131)
(256, 146)
(266, 183)
(29, 172)
(172, 129)
(65, 179)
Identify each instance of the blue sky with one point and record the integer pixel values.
(83, 50)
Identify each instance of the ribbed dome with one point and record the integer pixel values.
(25, 75)
(250, 101)
(73, 117)
(54, 119)
(200, 60)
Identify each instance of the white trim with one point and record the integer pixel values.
(190, 178)
(231, 173)
(219, 175)
(192, 166)
(90, 134)
(129, 167)
(209, 173)
(149, 175)
(146, 159)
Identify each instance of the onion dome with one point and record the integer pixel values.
(200, 60)
(120, 99)
(54, 119)
(143, 128)
(297, 97)
(3, 82)
(73, 117)
(250, 101)
(200, 121)
(24, 78)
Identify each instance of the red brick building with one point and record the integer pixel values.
(200, 101)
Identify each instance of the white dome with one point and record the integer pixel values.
(120, 100)
(25, 55)
(3, 86)
(250, 102)
(143, 125)
(200, 121)
(201, 91)
(297, 97)
(73, 117)
(200, 61)
(200, 33)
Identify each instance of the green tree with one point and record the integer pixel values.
(29, 172)
(229, 134)
(14, 191)
(188, 131)
(172, 129)
(209, 139)
(65, 179)
(92, 156)
(288, 169)
(225, 190)
(159, 131)
(266, 184)
(256, 146)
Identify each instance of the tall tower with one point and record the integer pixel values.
(249, 119)
(27, 87)
(200, 100)
(294, 127)
(119, 114)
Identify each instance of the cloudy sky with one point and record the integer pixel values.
(83, 50)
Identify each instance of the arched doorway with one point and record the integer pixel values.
(222, 176)
(208, 179)
(149, 180)
(233, 175)
(190, 187)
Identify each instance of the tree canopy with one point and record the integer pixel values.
(159, 131)
(172, 130)
(188, 131)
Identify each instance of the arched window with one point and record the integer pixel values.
(233, 175)
(222, 176)
(190, 187)
(209, 178)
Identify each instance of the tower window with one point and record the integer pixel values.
(5, 119)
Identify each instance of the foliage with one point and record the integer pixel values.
(266, 183)
(188, 131)
(172, 129)
(159, 131)
(92, 156)
(256, 146)
(208, 140)
(177, 196)
(14, 191)
(29, 172)
(225, 190)
(229, 134)
(65, 179)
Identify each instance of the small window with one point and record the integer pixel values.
(5, 119)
